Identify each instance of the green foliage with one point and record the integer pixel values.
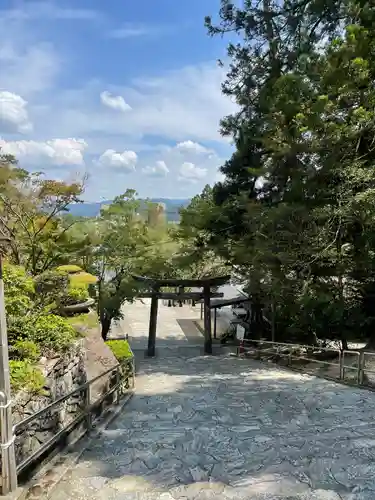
(58, 287)
(294, 215)
(120, 348)
(83, 278)
(196, 256)
(50, 332)
(126, 248)
(69, 268)
(30, 209)
(25, 376)
(26, 350)
(53, 332)
(89, 320)
(51, 287)
(19, 289)
(75, 295)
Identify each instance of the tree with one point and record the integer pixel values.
(197, 257)
(30, 213)
(128, 246)
(296, 207)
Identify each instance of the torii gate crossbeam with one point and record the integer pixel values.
(154, 286)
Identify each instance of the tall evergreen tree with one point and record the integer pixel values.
(297, 203)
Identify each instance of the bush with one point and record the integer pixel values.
(53, 332)
(51, 288)
(69, 268)
(26, 350)
(75, 295)
(23, 375)
(120, 348)
(50, 332)
(19, 289)
(20, 328)
(83, 279)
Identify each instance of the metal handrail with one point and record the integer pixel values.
(360, 366)
(288, 344)
(85, 414)
(81, 388)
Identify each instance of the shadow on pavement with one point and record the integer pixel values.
(204, 427)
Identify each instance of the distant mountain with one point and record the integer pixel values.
(93, 209)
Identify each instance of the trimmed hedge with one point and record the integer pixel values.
(69, 268)
(50, 332)
(82, 278)
(120, 348)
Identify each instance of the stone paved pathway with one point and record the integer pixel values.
(175, 326)
(219, 427)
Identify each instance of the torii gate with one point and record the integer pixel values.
(154, 286)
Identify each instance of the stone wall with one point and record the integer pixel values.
(86, 360)
(63, 375)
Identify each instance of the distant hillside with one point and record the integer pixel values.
(93, 209)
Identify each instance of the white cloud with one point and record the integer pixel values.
(134, 30)
(28, 64)
(27, 69)
(50, 11)
(179, 104)
(160, 169)
(13, 113)
(181, 107)
(125, 161)
(153, 182)
(190, 146)
(53, 152)
(186, 102)
(116, 102)
(129, 31)
(190, 172)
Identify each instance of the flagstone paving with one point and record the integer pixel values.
(220, 427)
(175, 325)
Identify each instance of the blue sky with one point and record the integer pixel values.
(125, 92)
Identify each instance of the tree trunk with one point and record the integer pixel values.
(256, 321)
(344, 343)
(311, 338)
(342, 333)
(105, 321)
(273, 320)
(370, 346)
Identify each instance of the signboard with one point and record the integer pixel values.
(240, 333)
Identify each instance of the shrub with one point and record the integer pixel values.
(50, 332)
(53, 332)
(69, 268)
(26, 350)
(120, 348)
(79, 293)
(75, 295)
(23, 375)
(19, 289)
(20, 328)
(83, 279)
(51, 287)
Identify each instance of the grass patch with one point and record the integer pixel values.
(120, 348)
(88, 320)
